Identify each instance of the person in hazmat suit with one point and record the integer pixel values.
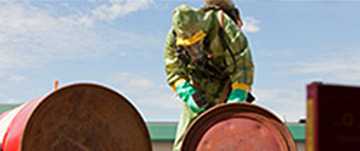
(207, 62)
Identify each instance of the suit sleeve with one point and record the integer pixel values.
(174, 69)
(240, 64)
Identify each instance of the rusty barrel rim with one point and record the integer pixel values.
(213, 122)
(83, 116)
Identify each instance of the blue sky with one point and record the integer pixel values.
(119, 43)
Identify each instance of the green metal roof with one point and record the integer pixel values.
(6, 107)
(297, 130)
(162, 131)
(165, 131)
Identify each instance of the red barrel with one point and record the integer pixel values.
(238, 127)
(3, 115)
(333, 117)
(77, 117)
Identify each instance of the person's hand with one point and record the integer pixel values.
(191, 97)
(237, 96)
(238, 93)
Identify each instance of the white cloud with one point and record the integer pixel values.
(339, 67)
(35, 34)
(335, 66)
(11, 101)
(287, 104)
(15, 19)
(118, 8)
(17, 78)
(31, 36)
(158, 102)
(251, 24)
(11, 77)
(132, 81)
(152, 99)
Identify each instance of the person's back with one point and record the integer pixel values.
(227, 6)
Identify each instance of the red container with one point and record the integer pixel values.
(75, 118)
(333, 117)
(3, 115)
(238, 127)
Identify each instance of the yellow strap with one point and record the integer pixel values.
(178, 82)
(241, 86)
(192, 40)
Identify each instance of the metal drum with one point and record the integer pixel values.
(333, 117)
(78, 117)
(238, 127)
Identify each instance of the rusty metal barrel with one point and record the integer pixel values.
(238, 127)
(77, 117)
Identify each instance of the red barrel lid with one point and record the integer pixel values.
(238, 127)
(83, 117)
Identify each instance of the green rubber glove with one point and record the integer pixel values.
(237, 96)
(186, 92)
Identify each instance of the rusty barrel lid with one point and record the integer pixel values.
(83, 117)
(238, 127)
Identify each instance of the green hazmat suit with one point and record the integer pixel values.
(233, 58)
